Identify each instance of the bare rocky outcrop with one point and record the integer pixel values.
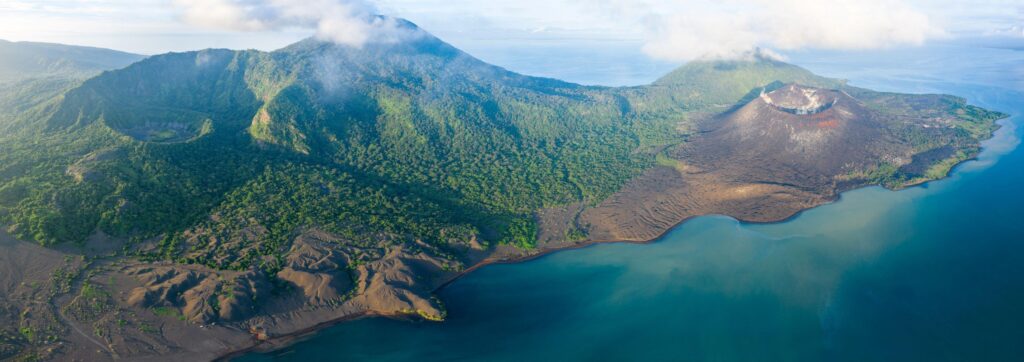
(318, 268)
(401, 282)
(202, 296)
(399, 279)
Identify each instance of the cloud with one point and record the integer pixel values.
(732, 28)
(348, 22)
(680, 30)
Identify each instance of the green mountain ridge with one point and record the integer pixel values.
(23, 60)
(35, 73)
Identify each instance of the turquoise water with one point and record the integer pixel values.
(927, 274)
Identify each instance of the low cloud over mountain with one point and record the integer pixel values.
(348, 22)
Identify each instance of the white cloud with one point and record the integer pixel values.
(681, 30)
(349, 22)
(734, 27)
(154, 26)
(219, 14)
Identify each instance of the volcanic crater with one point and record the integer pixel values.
(800, 100)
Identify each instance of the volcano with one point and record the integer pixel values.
(788, 147)
(812, 131)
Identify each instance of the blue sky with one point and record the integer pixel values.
(662, 29)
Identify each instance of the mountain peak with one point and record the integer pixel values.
(723, 82)
(387, 33)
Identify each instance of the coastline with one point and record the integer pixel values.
(283, 341)
(286, 340)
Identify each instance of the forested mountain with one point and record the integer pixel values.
(225, 182)
(24, 60)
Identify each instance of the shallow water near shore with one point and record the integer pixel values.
(934, 272)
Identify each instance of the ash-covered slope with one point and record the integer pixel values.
(790, 148)
(814, 131)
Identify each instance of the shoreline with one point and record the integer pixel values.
(286, 340)
(283, 341)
